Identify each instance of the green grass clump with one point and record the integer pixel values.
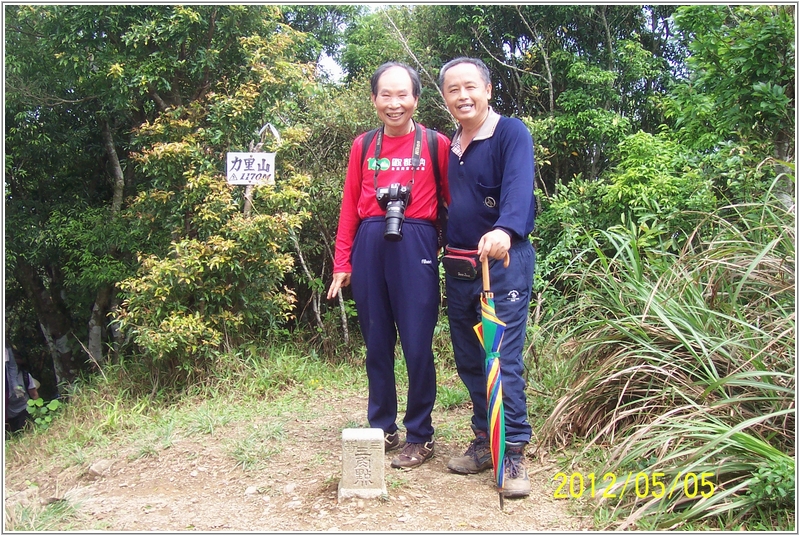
(254, 451)
(56, 516)
(684, 364)
(450, 396)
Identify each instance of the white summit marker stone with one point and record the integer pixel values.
(362, 464)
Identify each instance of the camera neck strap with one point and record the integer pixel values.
(415, 153)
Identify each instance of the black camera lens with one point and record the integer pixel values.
(395, 216)
(393, 199)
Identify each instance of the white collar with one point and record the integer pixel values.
(485, 131)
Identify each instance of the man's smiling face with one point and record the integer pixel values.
(395, 101)
(467, 94)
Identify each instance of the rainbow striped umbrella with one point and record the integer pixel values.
(490, 333)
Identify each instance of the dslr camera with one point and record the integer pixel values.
(394, 199)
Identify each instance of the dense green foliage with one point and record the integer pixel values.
(741, 83)
(664, 140)
(144, 208)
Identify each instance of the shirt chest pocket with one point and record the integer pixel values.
(489, 196)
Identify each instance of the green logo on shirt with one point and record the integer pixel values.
(383, 163)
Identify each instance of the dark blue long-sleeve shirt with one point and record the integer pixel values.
(491, 184)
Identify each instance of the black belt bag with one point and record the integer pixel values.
(461, 263)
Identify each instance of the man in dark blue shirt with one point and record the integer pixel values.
(492, 211)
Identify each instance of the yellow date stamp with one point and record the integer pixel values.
(644, 485)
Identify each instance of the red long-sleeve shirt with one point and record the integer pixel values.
(358, 199)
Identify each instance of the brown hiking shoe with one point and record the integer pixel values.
(391, 441)
(515, 474)
(477, 458)
(413, 454)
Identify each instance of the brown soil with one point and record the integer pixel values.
(196, 484)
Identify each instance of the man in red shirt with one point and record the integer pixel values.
(392, 261)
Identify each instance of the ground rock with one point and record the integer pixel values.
(100, 468)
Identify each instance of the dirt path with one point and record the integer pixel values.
(196, 484)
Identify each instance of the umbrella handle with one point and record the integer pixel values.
(485, 270)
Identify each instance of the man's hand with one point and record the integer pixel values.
(494, 244)
(340, 279)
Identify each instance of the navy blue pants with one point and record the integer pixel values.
(396, 289)
(512, 289)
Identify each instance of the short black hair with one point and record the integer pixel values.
(416, 85)
(482, 69)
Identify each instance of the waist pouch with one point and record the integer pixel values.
(461, 263)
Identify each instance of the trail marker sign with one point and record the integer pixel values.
(251, 168)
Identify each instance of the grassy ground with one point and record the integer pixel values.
(248, 424)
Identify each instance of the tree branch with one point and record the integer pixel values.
(340, 298)
(15, 85)
(545, 58)
(160, 104)
(608, 37)
(434, 81)
(206, 83)
(310, 277)
(502, 62)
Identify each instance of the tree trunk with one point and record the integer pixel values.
(116, 170)
(342, 311)
(97, 320)
(609, 43)
(115, 333)
(53, 320)
(97, 324)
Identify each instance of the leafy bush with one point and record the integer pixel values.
(333, 118)
(43, 414)
(211, 274)
(774, 484)
(654, 190)
(653, 177)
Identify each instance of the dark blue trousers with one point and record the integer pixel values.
(512, 289)
(396, 289)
